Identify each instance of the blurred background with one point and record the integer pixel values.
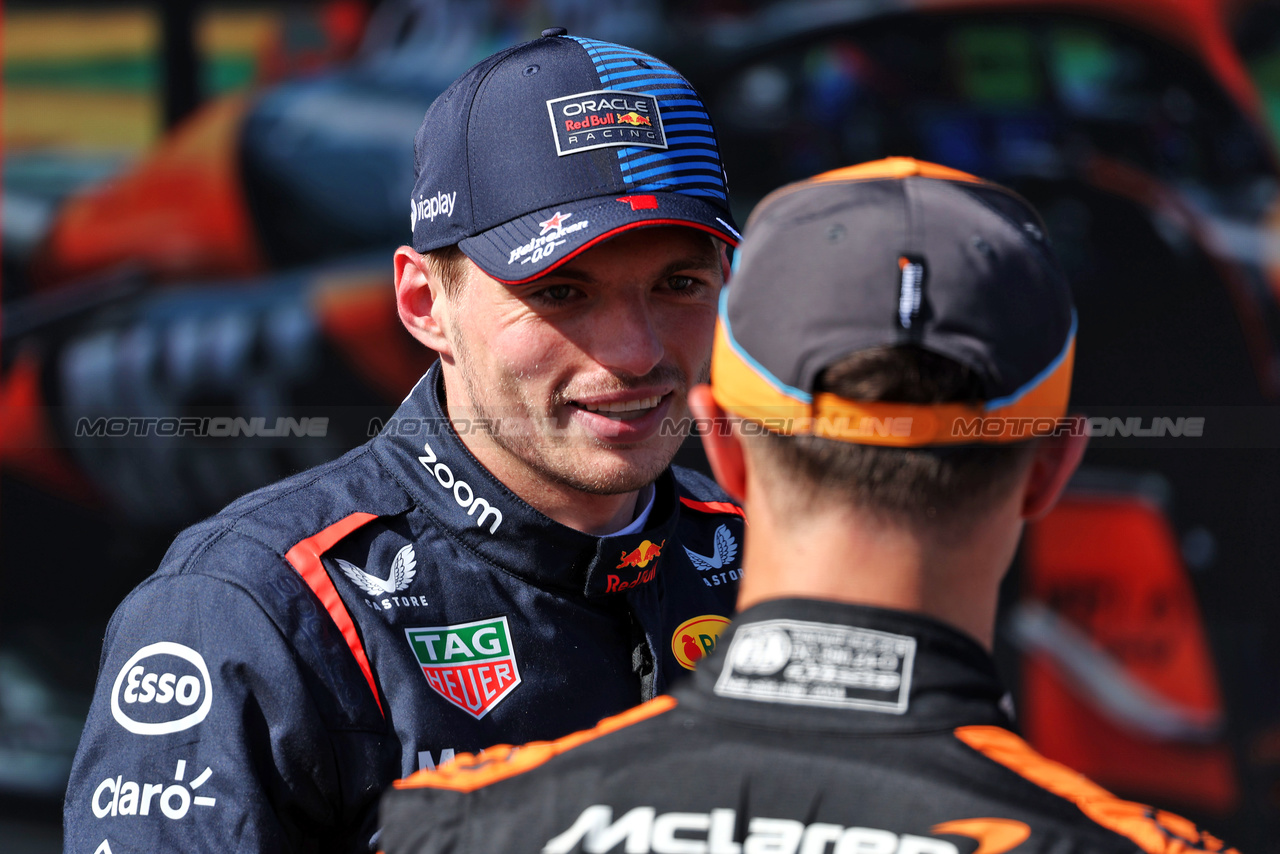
(200, 200)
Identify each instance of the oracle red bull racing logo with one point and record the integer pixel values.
(472, 665)
(600, 119)
(638, 558)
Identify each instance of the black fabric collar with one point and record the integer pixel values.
(423, 452)
(952, 679)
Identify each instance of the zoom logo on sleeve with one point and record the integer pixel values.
(164, 687)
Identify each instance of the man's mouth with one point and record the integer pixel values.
(623, 410)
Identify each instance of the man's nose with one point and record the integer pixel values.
(627, 338)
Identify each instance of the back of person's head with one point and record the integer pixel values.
(896, 335)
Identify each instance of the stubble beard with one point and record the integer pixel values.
(528, 436)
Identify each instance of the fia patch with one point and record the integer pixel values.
(695, 639)
(472, 665)
(605, 118)
(819, 664)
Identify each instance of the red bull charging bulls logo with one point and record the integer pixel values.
(639, 558)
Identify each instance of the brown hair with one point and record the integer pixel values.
(450, 264)
(910, 484)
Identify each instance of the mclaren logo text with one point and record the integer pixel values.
(642, 830)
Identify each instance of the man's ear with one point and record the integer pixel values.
(723, 447)
(1055, 460)
(420, 300)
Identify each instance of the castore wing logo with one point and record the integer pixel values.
(402, 572)
(726, 549)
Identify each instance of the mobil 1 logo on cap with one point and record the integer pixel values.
(606, 118)
(472, 665)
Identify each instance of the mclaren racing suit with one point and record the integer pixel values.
(817, 728)
(323, 636)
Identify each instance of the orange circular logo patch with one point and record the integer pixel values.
(695, 639)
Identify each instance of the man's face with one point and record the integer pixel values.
(584, 372)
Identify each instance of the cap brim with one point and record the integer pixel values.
(531, 246)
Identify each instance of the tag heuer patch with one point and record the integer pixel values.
(819, 664)
(472, 665)
(602, 119)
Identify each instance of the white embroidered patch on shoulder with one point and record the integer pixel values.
(819, 664)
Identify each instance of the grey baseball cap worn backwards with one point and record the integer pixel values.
(891, 253)
(552, 146)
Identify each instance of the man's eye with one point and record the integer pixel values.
(556, 293)
(681, 283)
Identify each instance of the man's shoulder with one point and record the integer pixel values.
(318, 505)
(701, 494)
(469, 772)
(695, 766)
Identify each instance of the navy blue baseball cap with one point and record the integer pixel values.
(555, 145)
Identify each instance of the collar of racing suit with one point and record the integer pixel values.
(836, 667)
(421, 448)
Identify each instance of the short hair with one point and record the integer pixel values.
(911, 485)
(450, 264)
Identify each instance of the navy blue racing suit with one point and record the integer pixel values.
(323, 636)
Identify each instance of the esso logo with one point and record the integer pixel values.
(163, 688)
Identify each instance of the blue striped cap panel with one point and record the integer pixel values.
(691, 162)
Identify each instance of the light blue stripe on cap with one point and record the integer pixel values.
(1040, 377)
(789, 391)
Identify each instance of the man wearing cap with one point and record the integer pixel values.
(512, 558)
(893, 359)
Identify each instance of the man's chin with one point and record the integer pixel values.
(615, 471)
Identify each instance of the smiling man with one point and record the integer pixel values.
(513, 557)
(582, 372)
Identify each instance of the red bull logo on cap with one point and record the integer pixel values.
(604, 118)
